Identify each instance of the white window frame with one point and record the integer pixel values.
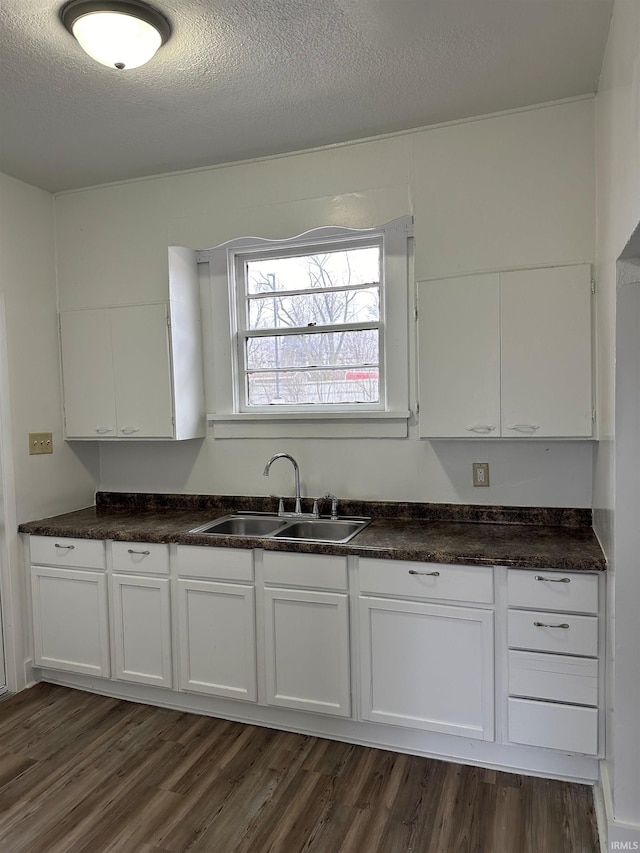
(241, 333)
(219, 288)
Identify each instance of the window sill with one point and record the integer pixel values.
(310, 424)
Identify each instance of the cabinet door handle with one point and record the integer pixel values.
(130, 430)
(480, 428)
(523, 427)
(548, 625)
(553, 580)
(103, 430)
(68, 547)
(145, 553)
(428, 574)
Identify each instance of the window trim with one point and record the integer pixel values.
(218, 265)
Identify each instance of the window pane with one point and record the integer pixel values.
(322, 309)
(313, 350)
(309, 387)
(325, 269)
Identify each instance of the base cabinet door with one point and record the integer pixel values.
(217, 639)
(307, 650)
(427, 666)
(142, 629)
(70, 621)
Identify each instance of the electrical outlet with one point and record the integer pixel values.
(480, 473)
(40, 442)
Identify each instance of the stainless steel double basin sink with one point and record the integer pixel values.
(292, 528)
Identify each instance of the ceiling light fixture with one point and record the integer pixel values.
(117, 33)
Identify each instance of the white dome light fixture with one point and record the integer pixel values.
(120, 34)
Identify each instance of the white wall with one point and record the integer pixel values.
(33, 486)
(65, 479)
(513, 190)
(618, 215)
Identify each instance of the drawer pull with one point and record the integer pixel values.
(68, 547)
(145, 553)
(553, 580)
(428, 574)
(548, 625)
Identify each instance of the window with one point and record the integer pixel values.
(311, 329)
(308, 327)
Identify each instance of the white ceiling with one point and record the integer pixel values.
(246, 78)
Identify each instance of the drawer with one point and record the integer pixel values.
(426, 580)
(566, 727)
(558, 678)
(64, 551)
(317, 571)
(141, 558)
(196, 561)
(537, 631)
(549, 590)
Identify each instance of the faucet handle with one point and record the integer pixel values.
(280, 504)
(334, 504)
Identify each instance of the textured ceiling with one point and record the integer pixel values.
(247, 78)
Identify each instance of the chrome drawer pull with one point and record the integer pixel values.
(480, 428)
(68, 547)
(553, 580)
(428, 574)
(145, 553)
(548, 625)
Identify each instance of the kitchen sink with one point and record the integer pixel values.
(338, 531)
(322, 529)
(242, 525)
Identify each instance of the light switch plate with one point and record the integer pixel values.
(480, 473)
(40, 442)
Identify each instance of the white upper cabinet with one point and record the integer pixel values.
(135, 371)
(89, 384)
(506, 355)
(459, 341)
(546, 352)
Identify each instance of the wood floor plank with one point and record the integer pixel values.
(88, 774)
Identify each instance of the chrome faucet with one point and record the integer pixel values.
(296, 471)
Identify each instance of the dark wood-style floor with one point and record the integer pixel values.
(80, 772)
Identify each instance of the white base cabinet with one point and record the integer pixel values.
(70, 623)
(216, 638)
(427, 666)
(306, 640)
(142, 629)
(307, 650)
(554, 683)
(418, 637)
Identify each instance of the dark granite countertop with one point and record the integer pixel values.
(524, 537)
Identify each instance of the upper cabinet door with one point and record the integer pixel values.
(89, 392)
(546, 352)
(459, 357)
(142, 370)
